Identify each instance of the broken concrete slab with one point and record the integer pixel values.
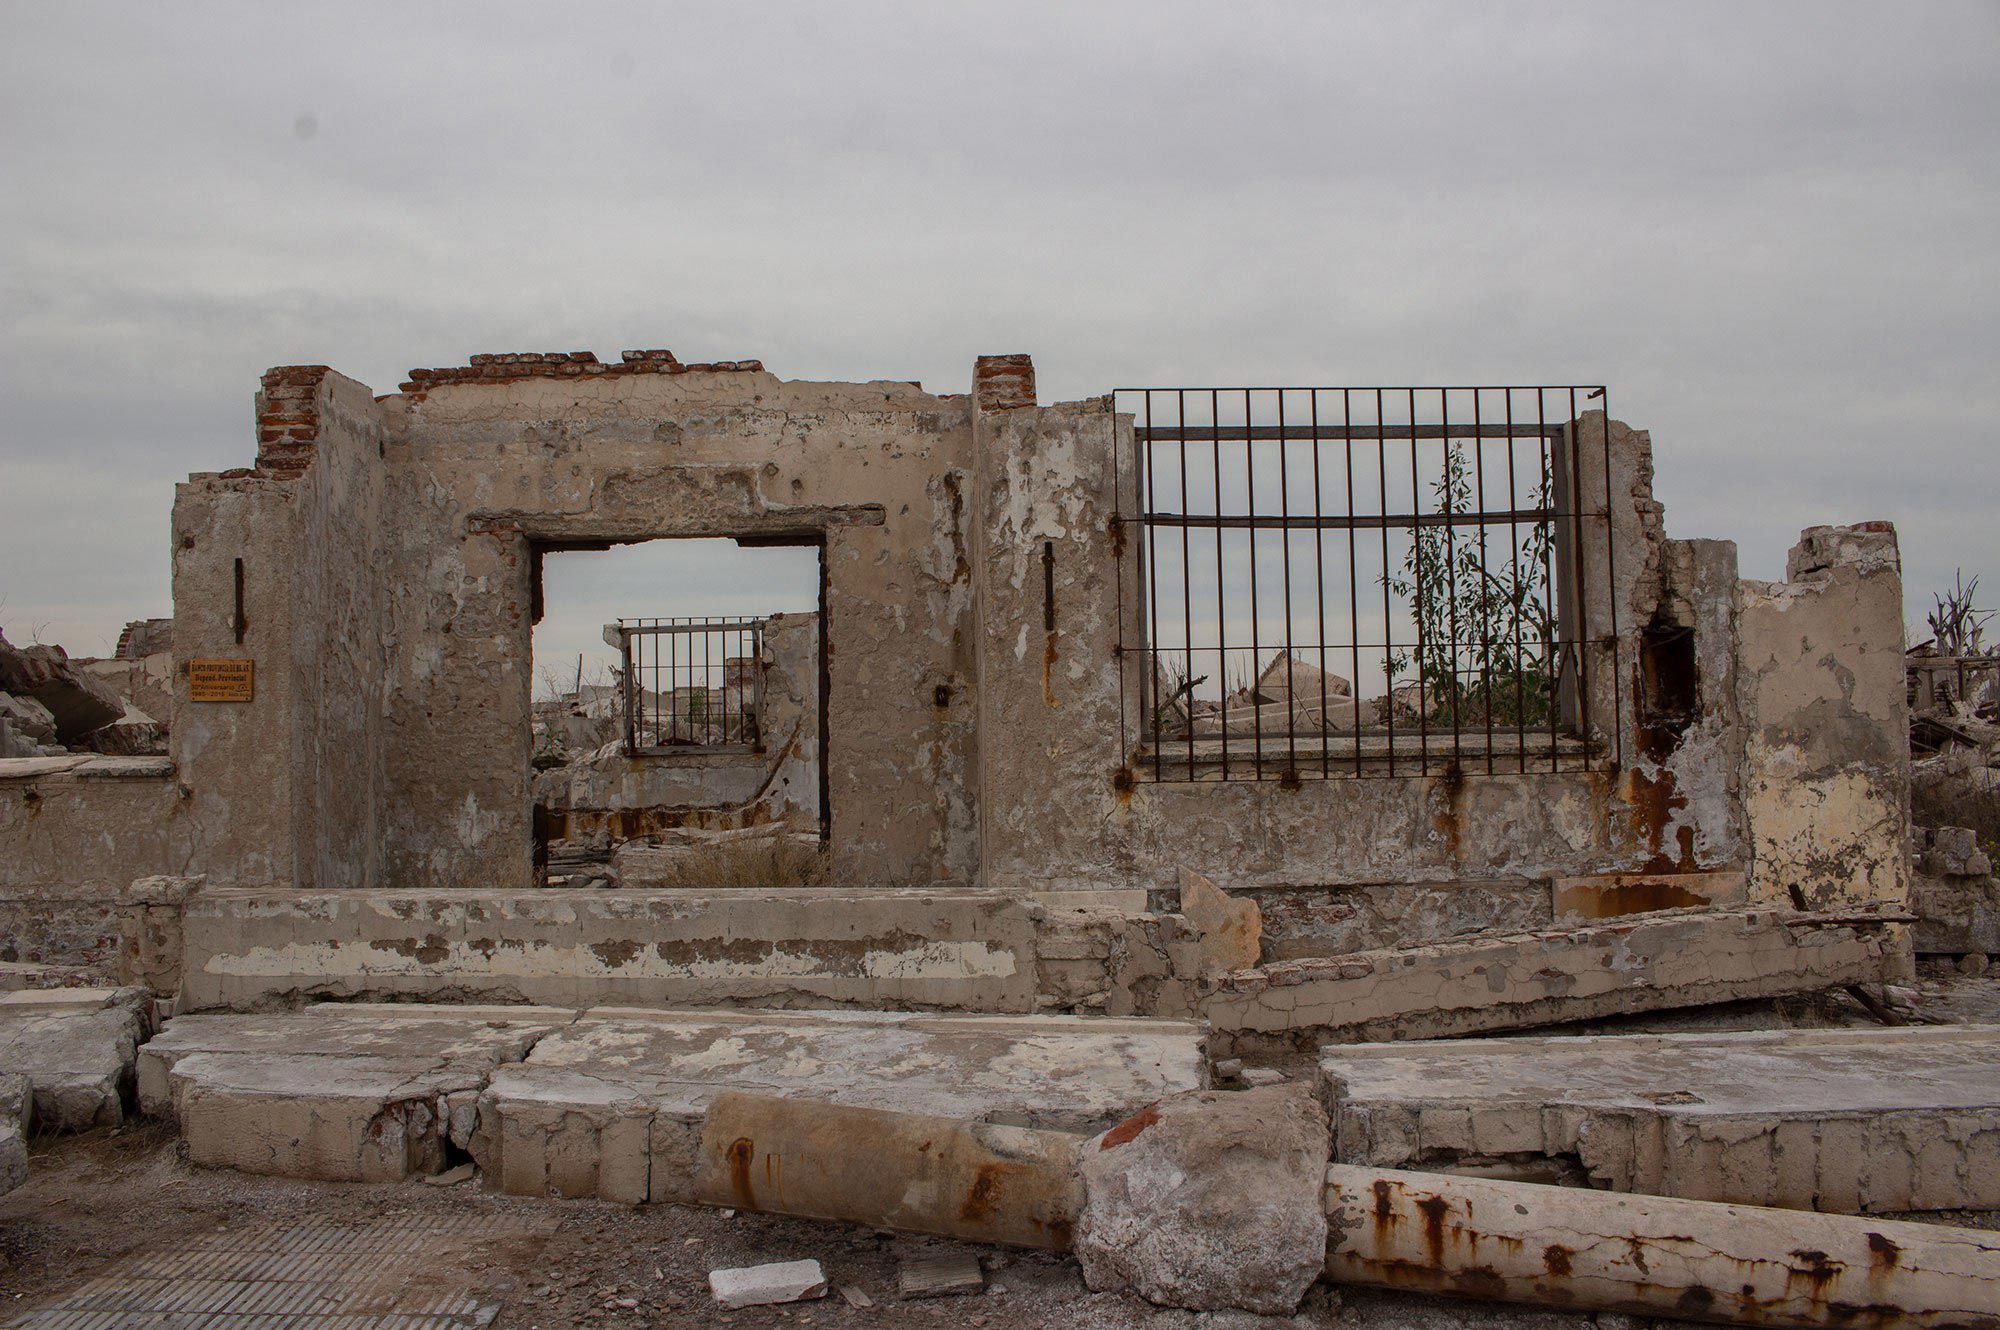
(1230, 927)
(76, 1047)
(1516, 981)
(361, 1093)
(77, 703)
(1856, 1121)
(1209, 1201)
(612, 1106)
(416, 1032)
(767, 1285)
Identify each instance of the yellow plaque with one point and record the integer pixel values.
(218, 680)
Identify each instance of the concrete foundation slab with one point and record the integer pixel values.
(612, 1106)
(1519, 981)
(1855, 1121)
(76, 1048)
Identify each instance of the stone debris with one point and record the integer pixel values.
(1209, 1201)
(1954, 893)
(767, 1285)
(76, 703)
(1230, 927)
(17, 1108)
(939, 1274)
(452, 1177)
(76, 1047)
(855, 1297)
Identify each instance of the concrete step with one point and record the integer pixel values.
(1855, 1121)
(608, 1102)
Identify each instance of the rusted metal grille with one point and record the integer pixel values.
(1367, 581)
(691, 684)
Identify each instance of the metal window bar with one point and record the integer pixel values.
(1464, 619)
(691, 684)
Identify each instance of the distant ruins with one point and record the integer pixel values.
(1256, 723)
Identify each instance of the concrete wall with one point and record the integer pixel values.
(1823, 698)
(74, 833)
(975, 690)
(1062, 810)
(481, 473)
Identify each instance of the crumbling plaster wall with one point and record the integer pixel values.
(285, 789)
(1827, 761)
(1062, 811)
(481, 473)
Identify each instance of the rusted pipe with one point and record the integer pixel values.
(907, 1171)
(1649, 1255)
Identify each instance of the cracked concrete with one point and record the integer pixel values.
(609, 1102)
(1853, 1121)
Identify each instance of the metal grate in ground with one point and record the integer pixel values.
(403, 1273)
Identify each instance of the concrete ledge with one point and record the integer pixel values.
(797, 947)
(1650, 963)
(1855, 1121)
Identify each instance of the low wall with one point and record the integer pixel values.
(74, 833)
(906, 948)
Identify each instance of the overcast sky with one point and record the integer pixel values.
(1771, 228)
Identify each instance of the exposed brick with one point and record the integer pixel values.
(288, 419)
(1003, 383)
(514, 366)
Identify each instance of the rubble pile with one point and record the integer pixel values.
(1954, 803)
(52, 704)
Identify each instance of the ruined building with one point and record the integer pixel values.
(1261, 719)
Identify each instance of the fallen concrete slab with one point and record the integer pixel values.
(1854, 1121)
(348, 1092)
(612, 1106)
(76, 702)
(1523, 980)
(76, 1048)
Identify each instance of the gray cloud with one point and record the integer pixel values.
(1767, 227)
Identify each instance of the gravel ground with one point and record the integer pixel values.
(92, 1201)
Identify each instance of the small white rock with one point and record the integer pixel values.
(451, 1177)
(1254, 1076)
(854, 1297)
(764, 1285)
(1228, 1069)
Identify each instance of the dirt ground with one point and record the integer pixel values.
(94, 1201)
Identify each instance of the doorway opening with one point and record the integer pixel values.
(678, 713)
